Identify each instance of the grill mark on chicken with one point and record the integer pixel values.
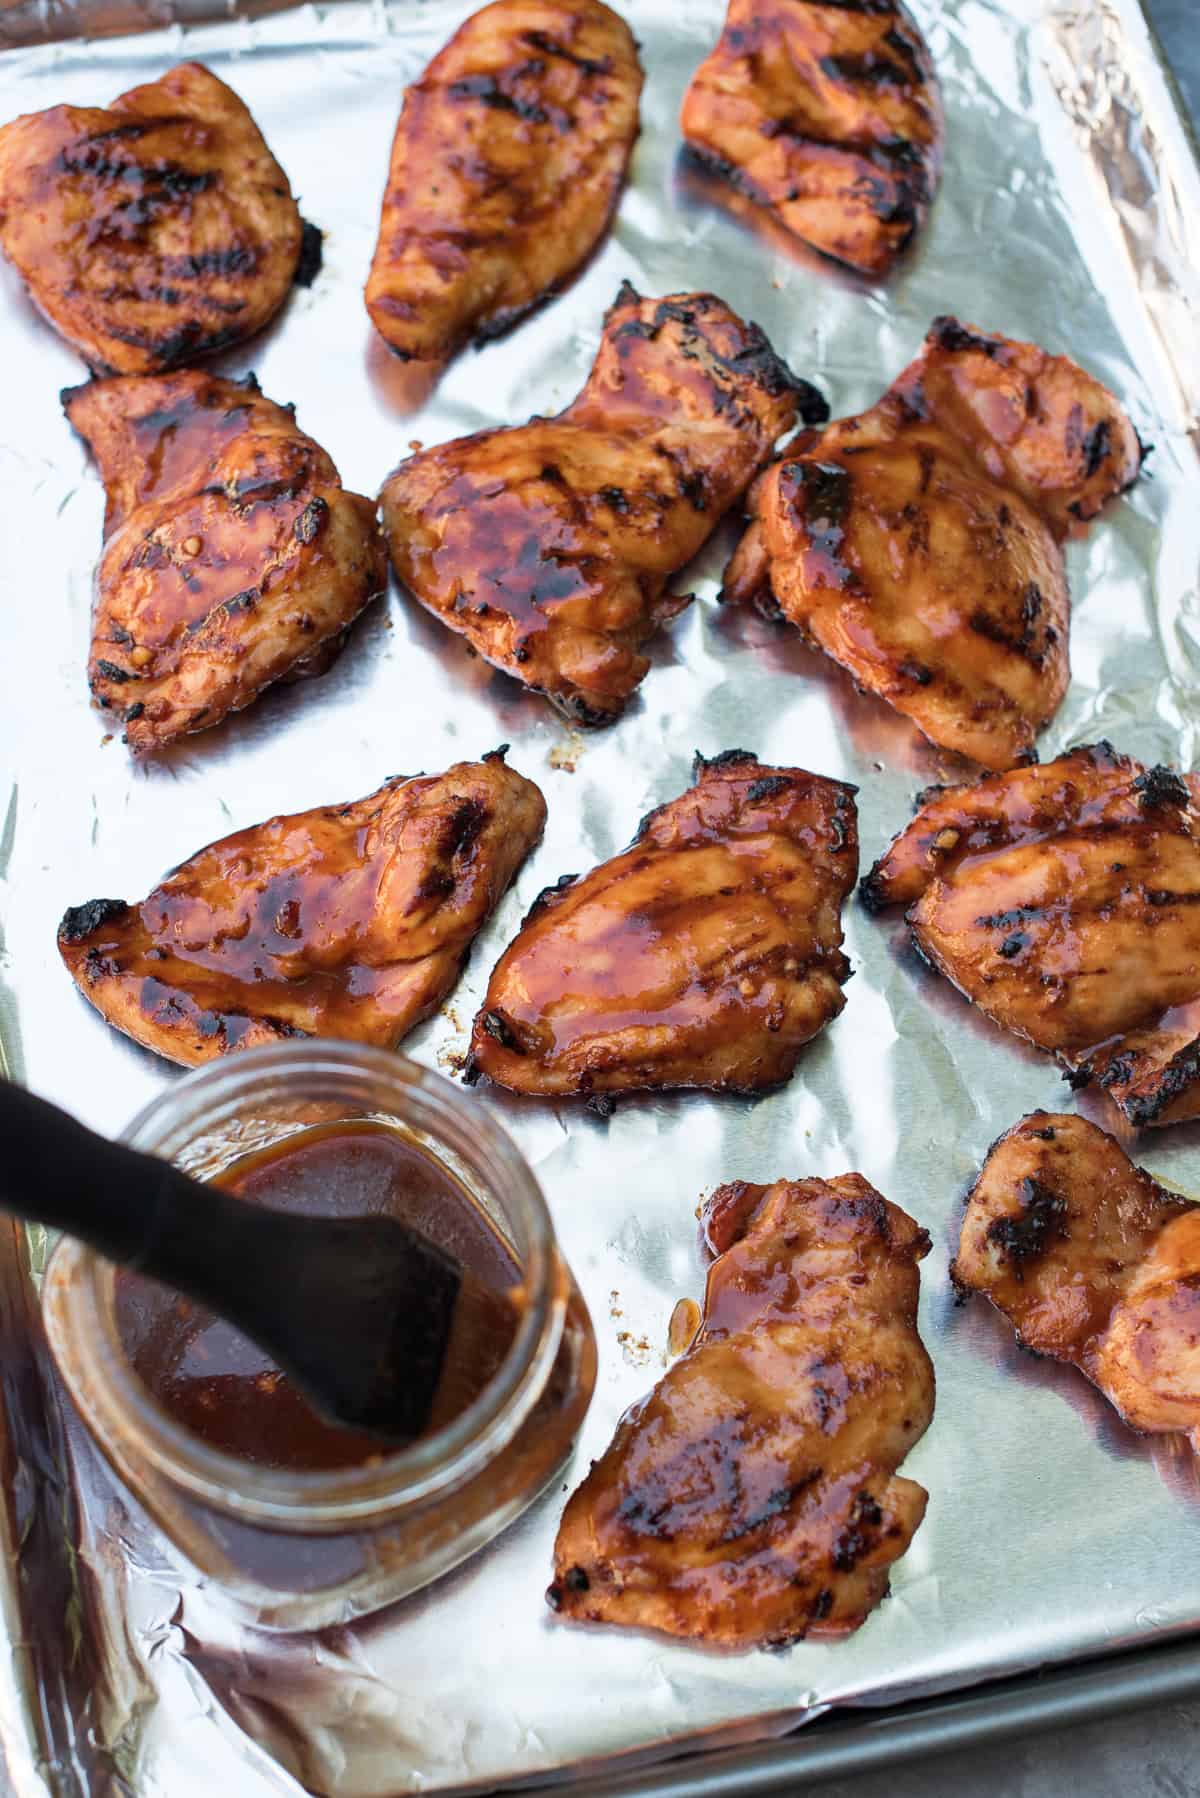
(551, 545)
(1093, 1264)
(351, 921)
(919, 544)
(93, 215)
(831, 123)
(506, 169)
(752, 1498)
(1089, 942)
(705, 955)
(232, 554)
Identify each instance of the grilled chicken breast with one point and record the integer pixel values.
(1092, 1263)
(345, 921)
(550, 546)
(705, 955)
(919, 544)
(155, 231)
(506, 168)
(1063, 901)
(752, 1498)
(232, 553)
(827, 113)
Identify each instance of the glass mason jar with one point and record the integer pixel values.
(302, 1549)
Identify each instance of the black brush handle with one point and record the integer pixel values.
(358, 1310)
(133, 1208)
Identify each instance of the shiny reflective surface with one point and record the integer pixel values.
(506, 167)
(1093, 1263)
(154, 232)
(1066, 217)
(706, 955)
(348, 921)
(1064, 901)
(920, 544)
(752, 1499)
(551, 546)
(233, 556)
(827, 115)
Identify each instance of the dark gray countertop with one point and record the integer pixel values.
(1178, 25)
(1152, 1753)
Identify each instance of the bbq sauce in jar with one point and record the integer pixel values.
(221, 1386)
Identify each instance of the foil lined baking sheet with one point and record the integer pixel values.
(1070, 214)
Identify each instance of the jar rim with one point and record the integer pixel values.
(79, 1299)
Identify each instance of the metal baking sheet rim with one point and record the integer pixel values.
(40, 1702)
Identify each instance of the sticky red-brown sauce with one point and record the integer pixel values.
(217, 1383)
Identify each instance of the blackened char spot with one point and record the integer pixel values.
(488, 91)
(867, 68)
(311, 521)
(549, 46)
(770, 372)
(312, 253)
(1148, 1107)
(227, 259)
(728, 758)
(601, 1105)
(462, 828)
(548, 895)
(945, 333)
(767, 787)
(1025, 1236)
(1160, 786)
(81, 920)
(818, 494)
(1096, 446)
(110, 671)
(497, 1026)
(496, 755)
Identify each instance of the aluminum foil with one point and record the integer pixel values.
(1070, 214)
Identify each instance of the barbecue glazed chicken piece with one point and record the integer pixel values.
(706, 954)
(156, 231)
(1092, 1263)
(919, 544)
(506, 169)
(549, 545)
(232, 554)
(1064, 901)
(346, 921)
(827, 114)
(752, 1498)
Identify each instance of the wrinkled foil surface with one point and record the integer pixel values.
(1070, 214)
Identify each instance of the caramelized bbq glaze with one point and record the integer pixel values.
(1092, 1263)
(919, 544)
(550, 545)
(344, 921)
(705, 955)
(233, 556)
(156, 231)
(215, 1382)
(1063, 900)
(507, 165)
(752, 1498)
(826, 112)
